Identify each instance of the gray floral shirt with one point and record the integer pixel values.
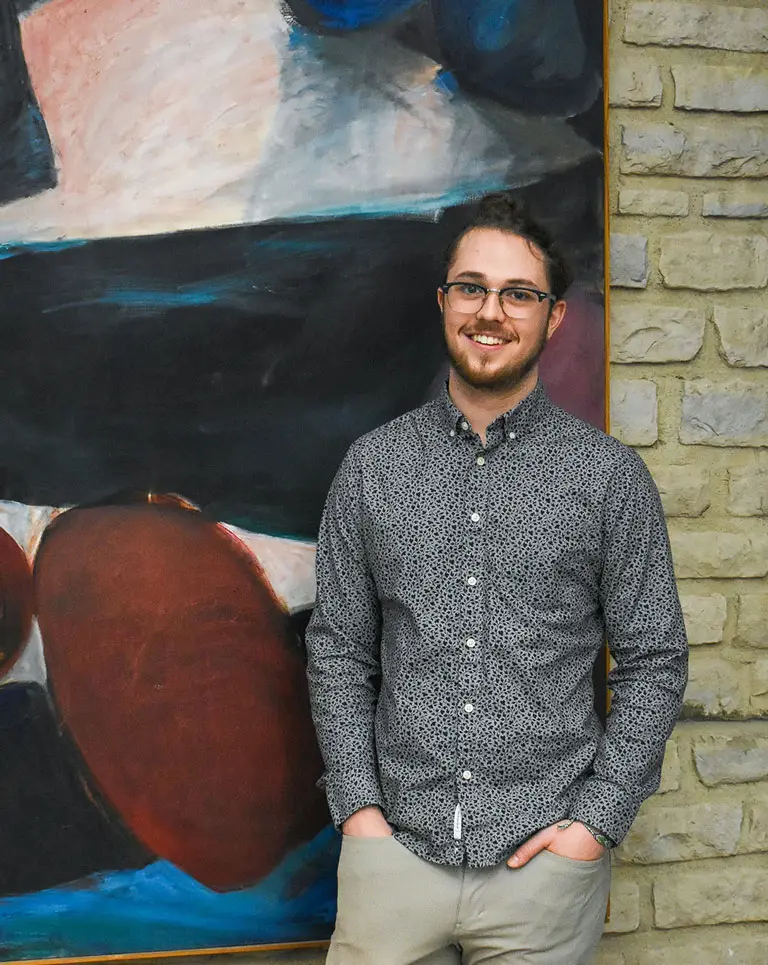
(464, 592)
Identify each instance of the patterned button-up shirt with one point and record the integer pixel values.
(464, 593)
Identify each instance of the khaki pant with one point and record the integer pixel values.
(396, 909)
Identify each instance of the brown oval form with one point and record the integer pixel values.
(175, 670)
(16, 600)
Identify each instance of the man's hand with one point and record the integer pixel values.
(572, 842)
(367, 823)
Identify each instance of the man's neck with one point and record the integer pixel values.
(481, 407)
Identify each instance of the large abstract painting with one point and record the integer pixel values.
(221, 224)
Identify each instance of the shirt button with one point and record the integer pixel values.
(480, 460)
(452, 433)
(513, 436)
(469, 708)
(465, 426)
(472, 580)
(467, 775)
(475, 517)
(471, 643)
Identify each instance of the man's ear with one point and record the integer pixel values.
(440, 298)
(556, 317)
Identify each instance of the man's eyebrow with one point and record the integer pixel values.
(509, 283)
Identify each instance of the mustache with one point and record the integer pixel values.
(494, 330)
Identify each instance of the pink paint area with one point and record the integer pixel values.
(153, 106)
(573, 364)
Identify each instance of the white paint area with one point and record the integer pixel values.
(170, 116)
(288, 564)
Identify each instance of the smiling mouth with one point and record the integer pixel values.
(487, 339)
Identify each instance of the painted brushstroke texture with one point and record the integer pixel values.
(282, 340)
(328, 124)
(160, 908)
(52, 829)
(345, 14)
(169, 658)
(26, 158)
(16, 600)
(529, 55)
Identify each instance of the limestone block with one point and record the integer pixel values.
(710, 554)
(704, 617)
(670, 771)
(722, 149)
(653, 333)
(748, 488)
(713, 894)
(743, 201)
(629, 261)
(672, 24)
(709, 261)
(737, 89)
(737, 759)
(758, 688)
(636, 86)
(662, 834)
(654, 201)
(724, 414)
(609, 954)
(743, 334)
(634, 411)
(625, 907)
(723, 950)
(757, 824)
(714, 689)
(684, 490)
(752, 620)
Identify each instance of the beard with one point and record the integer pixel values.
(489, 378)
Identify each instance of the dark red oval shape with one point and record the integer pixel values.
(16, 600)
(174, 668)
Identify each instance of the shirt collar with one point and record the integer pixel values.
(511, 425)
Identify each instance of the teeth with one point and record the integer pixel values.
(487, 339)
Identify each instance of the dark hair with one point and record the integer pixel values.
(503, 211)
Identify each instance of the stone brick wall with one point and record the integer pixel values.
(689, 347)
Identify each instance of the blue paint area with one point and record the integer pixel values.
(43, 247)
(26, 156)
(492, 24)
(525, 54)
(159, 908)
(352, 14)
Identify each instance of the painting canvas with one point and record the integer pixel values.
(221, 224)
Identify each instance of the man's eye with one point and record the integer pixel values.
(467, 289)
(520, 295)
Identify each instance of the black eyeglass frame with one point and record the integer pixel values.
(448, 285)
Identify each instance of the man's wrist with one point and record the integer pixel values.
(598, 835)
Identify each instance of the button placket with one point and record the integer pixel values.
(478, 483)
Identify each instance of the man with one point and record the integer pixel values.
(473, 556)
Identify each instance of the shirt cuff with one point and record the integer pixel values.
(606, 807)
(343, 802)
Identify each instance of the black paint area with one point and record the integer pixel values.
(26, 157)
(52, 829)
(231, 366)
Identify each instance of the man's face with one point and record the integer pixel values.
(497, 259)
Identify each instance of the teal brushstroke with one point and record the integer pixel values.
(43, 247)
(160, 908)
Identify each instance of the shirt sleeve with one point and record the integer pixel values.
(343, 645)
(646, 638)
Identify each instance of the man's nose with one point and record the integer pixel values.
(491, 308)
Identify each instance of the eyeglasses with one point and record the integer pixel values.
(467, 298)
